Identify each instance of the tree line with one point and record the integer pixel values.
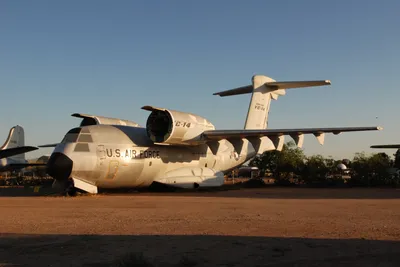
(292, 166)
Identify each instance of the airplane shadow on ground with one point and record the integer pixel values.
(273, 192)
(193, 250)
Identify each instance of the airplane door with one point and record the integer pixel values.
(112, 169)
(101, 154)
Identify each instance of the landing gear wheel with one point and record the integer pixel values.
(70, 190)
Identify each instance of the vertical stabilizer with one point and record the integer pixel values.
(257, 115)
(16, 138)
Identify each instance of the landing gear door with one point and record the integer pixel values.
(101, 154)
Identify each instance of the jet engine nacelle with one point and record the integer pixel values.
(172, 127)
(96, 120)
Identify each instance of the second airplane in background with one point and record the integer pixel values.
(12, 152)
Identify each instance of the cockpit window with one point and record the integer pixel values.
(85, 138)
(81, 135)
(81, 147)
(75, 130)
(85, 130)
(71, 136)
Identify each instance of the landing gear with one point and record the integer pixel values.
(70, 190)
(65, 187)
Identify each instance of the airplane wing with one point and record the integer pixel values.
(386, 146)
(49, 145)
(225, 134)
(276, 134)
(8, 152)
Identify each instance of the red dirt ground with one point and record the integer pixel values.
(248, 227)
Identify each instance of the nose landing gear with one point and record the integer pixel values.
(70, 189)
(65, 187)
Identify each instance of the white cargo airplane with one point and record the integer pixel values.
(12, 152)
(175, 148)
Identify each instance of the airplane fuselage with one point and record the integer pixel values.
(5, 164)
(112, 156)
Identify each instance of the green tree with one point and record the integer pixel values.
(372, 170)
(315, 169)
(397, 159)
(283, 164)
(291, 159)
(265, 162)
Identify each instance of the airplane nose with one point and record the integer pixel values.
(59, 166)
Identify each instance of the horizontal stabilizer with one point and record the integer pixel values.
(387, 146)
(274, 86)
(5, 153)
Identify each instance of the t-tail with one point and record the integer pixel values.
(263, 90)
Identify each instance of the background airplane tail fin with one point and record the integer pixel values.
(263, 90)
(16, 138)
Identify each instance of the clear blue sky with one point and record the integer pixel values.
(112, 57)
